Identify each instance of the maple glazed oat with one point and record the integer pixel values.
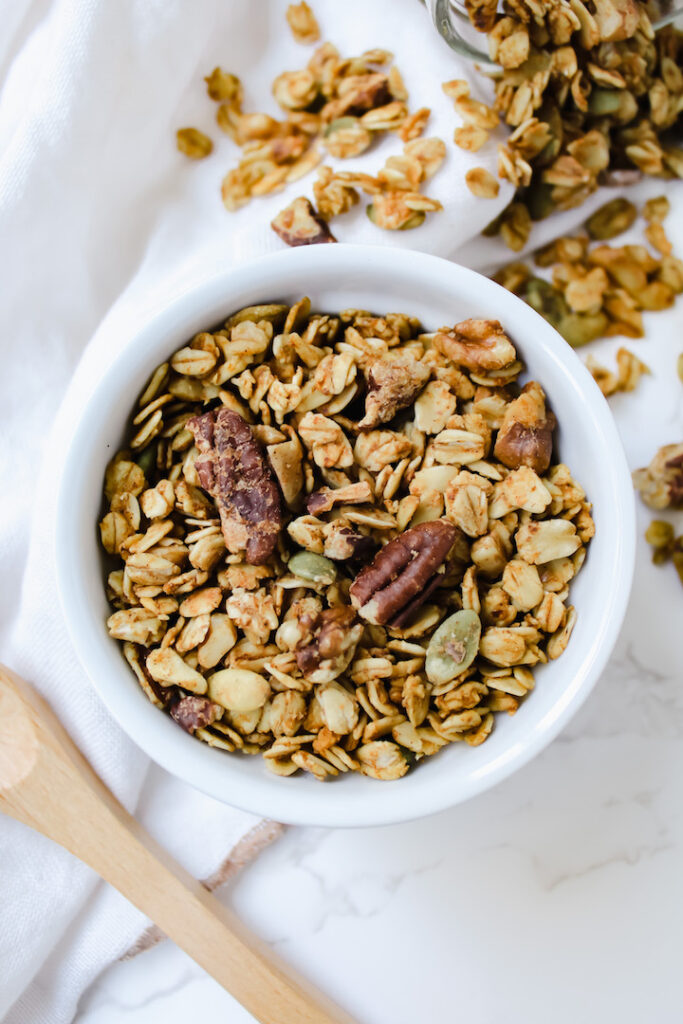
(339, 541)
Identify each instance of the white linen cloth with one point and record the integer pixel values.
(100, 215)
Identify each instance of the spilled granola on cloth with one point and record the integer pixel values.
(340, 541)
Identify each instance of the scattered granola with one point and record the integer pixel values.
(661, 483)
(599, 290)
(629, 371)
(342, 541)
(592, 93)
(339, 104)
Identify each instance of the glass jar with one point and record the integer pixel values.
(454, 26)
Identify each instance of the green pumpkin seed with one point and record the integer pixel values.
(147, 458)
(660, 534)
(611, 219)
(453, 647)
(340, 124)
(580, 328)
(546, 300)
(539, 198)
(316, 568)
(604, 101)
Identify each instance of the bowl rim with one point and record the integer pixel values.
(262, 796)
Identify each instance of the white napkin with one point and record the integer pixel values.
(101, 216)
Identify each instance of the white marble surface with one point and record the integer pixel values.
(555, 897)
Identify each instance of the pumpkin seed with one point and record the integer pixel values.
(611, 219)
(316, 568)
(453, 647)
(580, 328)
(340, 124)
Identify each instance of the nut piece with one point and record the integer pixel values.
(661, 483)
(195, 712)
(338, 708)
(286, 462)
(329, 643)
(453, 647)
(167, 667)
(382, 759)
(238, 689)
(525, 437)
(476, 344)
(393, 383)
(401, 571)
(299, 224)
(232, 469)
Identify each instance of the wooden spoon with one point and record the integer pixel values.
(46, 783)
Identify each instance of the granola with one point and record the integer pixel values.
(593, 96)
(599, 290)
(342, 541)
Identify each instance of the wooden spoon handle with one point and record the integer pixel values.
(46, 783)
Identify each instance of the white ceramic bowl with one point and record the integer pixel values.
(383, 280)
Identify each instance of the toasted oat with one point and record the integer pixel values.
(481, 183)
(302, 22)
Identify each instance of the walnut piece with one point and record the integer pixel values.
(393, 383)
(661, 483)
(476, 344)
(402, 571)
(232, 469)
(329, 643)
(525, 437)
(299, 224)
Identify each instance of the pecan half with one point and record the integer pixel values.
(329, 643)
(525, 437)
(232, 469)
(299, 224)
(401, 571)
(661, 483)
(476, 344)
(393, 383)
(195, 712)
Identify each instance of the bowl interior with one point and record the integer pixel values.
(381, 280)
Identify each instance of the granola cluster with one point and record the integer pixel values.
(599, 290)
(592, 95)
(340, 541)
(334, 104)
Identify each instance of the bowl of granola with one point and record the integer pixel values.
(345, 515)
